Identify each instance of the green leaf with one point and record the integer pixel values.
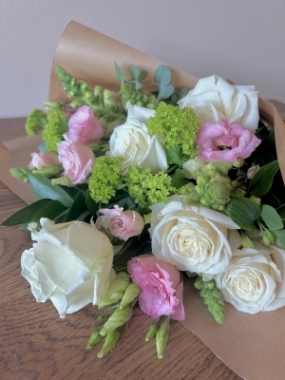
(142, 75)
(271, 217)
(134, 71)
(43, 188)
(92, 206)
(26, 214)
(162, 75)
(179, 178)
(280, 234)
(120, 73)
(165, 92)
(174, 155)
(51, 211)
(77, 208)
(243, 212)
(263, 179)
(281, 211)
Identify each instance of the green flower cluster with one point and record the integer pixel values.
(212, 298)
(212, 189)
(36, 121)
(175, 126)
(129, 93)
(105, 177)
(56, 126)
(147, 188)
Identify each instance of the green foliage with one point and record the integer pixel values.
(21, 173)
(177, 127)
(36, 121)
(271, 217)
(212, 297)
(263, 179)
(162, 77)
(43, 188)
(56, 126)
(104, 179)
(147, 188)
(243, 212)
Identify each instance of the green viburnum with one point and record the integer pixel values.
(212, 297)
(177, 127)
(105, 177)
(147, 188)
(36, 121)
(56, 126)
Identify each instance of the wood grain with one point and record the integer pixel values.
(37, 345)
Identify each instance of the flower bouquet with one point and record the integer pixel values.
(145, 185)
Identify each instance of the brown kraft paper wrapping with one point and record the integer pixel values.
(252, 346)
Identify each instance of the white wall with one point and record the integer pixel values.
(243, 40)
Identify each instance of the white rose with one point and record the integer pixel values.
(213, 99)
(70, 263)
(254, 279)
(194, 239)
(132, 141)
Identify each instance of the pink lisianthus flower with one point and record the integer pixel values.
(161, 287)
(121, 224)
(83, 127)
(226, 142)
(42, 159)
(77, 161)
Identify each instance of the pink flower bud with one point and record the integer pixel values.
(83, 127)
(42, 159)
(121, 224)
(77, 161)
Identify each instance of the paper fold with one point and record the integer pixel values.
(252, 346)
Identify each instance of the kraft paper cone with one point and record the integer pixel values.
(252, 346)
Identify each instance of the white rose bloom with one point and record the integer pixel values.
(254, 281)
(132, 141)
(70, 263)
(194, 239)
(213, 98)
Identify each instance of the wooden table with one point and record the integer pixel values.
(37, 345)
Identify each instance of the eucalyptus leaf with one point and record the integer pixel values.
(134, 71)
(263, 179)
(271, 217)
(243, 212)
(162, 75)
(142, 75)
(43, 188)
(26, 214)
(280, 234)
(42, 147)
(120, 73)
(165, 91)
